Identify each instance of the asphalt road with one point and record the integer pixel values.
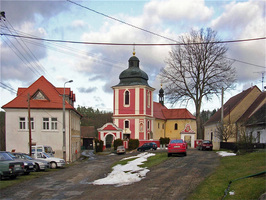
(175, 179)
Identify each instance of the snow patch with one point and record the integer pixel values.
(224, 153)
(128, 173)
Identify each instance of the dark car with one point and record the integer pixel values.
(9, 167)
(148, 146)
(205, 145)
(28, 165)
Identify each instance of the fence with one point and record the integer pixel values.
(235, 146)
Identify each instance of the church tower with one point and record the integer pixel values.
(133, 102)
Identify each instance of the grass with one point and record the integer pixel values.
(232, 168)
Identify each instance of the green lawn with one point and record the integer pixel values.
(232, 168)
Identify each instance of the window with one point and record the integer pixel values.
(158, 125)
(127, 98)
(149, 99)
(148, 124)
(54, 123)
(32, 123)
(176, 126)
(126, 124)
(162, 126)
(22, 123)
(45, 123)
(141, 127)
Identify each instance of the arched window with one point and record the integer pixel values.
(127, 98)
(148, 124)
(176, 126)
(149, 99)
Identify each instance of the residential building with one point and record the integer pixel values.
(42, 103)
(235, 112)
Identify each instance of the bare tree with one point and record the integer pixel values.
(226, 131)
(197, 69)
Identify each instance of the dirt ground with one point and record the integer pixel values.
(175, 178)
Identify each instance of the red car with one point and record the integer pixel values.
(205, 145)
(177, 146)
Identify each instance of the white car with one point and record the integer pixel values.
(54, 162)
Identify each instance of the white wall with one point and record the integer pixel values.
(19, 139)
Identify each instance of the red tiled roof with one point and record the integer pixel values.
(161, 112)
(157, 110)
(230, 105)
(181, 113)
(53, 96)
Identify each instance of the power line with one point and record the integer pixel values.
(130, 44)
(142, 29)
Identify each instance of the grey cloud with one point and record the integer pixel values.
(87, 90)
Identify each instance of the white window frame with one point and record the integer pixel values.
(54, 124)
(45, 123)
(24, 124)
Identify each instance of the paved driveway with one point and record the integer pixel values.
(173, 179)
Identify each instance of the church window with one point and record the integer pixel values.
(176, 126)
(127, 98)
(149, 99)
(148, 124)
(126, 124)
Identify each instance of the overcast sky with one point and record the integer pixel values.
(94, 69)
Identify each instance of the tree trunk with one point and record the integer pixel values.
(198, 122)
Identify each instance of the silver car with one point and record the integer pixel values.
(39, 164)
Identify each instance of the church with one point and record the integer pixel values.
(137, 116)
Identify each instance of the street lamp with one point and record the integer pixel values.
(64, 122)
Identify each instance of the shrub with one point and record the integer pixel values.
(165, 140)
(118, 142)
(133, 144)
(98, 145)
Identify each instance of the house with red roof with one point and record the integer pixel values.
(236, 113)
(42, 103)
(137, 116)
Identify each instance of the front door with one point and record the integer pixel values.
(109, 140)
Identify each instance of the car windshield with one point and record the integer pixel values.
(5, 156)
(207, 142)
(27, 157)
(11, 155)
(120, 147)
(47, 156)
(176, 141)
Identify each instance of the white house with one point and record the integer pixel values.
(45, 107)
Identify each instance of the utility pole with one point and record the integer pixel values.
(29, 124)
(222, 115)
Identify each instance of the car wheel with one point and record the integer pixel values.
(0, 177)
(53, 165)
(185, 154)
(26, 173)
(37, 167)
(169, 154)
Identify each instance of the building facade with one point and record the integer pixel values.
(42, 103)
(138, 116)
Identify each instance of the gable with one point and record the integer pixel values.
(43, 95)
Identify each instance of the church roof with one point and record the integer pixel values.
(133, 75)
(162, 112)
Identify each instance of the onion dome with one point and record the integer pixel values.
(133, 75)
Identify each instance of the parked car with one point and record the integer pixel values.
(148, 146)
(54, 162)
(39, 164)
(205, 145)
(120, 150)
(177, 146)
(29, 166)
(9, 167)
(43, 148)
